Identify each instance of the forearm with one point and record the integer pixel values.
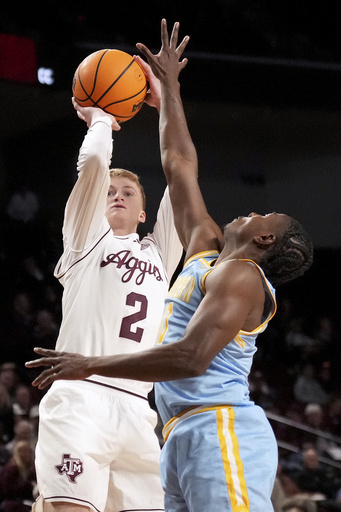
(175, 140)
(97, 145)
(161, 363)
(165, 362)
(85, 208)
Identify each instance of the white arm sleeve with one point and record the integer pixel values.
(165, 236)
(84, 216)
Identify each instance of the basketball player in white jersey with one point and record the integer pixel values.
(220, 452)
(97, 449)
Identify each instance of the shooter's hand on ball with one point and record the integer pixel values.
(63, 365)
(89, 114)
(153, 97)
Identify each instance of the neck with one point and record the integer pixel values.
(123, 231)
(241, 253)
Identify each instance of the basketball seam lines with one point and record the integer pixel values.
(125, 99)
(88, 96)
(112, 85)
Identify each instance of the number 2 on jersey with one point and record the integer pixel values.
(126, 330)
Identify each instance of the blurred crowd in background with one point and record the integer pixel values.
(295, 375)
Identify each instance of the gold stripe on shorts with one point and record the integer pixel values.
(233, 465)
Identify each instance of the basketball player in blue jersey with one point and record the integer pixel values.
(220, 453)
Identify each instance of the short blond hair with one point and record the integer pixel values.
(123, 173)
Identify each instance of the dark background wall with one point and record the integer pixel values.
(261, 93)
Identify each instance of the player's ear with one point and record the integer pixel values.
(142, 216)
(264, 240)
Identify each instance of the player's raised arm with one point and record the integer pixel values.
(196, 229)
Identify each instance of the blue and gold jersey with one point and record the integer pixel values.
(226, 379)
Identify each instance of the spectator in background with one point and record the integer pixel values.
(5, 454)
(9, 377)
(45, 330)
(51, 300)
(17, 328)
(326, 377)
(313, 415)
(23, 431)
(23, 205)
(314, 418)
(324, 333)
(332, 425)
(315, 480)
(333, 414)
(6, 415)
(260, 391)
(278, 495)
(299, 504)
(34, 420)
(299, 344)
(307, 388)
(287, 477)
(293, 412)
(18, 480)
(22, 223)
(22, 403)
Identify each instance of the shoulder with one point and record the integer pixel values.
(232, 274)
(238, 268)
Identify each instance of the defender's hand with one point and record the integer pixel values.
(63, 365)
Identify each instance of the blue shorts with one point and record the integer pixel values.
(220, 459)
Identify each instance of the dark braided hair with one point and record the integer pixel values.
(290, 257)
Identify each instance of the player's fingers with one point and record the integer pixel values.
(42, 376)
(164, 33)
(43, 361)
(183, 63)
(144, 65)
(180, 49)
(49, 359)
(44, 379)
(76, 105)
(115, 125)
(80, 115)
(48, 352)
(174, 36)
(144, 50)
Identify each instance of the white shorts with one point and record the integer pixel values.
(97, 447)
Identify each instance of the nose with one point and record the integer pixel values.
(253, 214)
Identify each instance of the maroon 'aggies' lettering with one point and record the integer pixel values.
(122, 259)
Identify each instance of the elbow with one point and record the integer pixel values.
(97, 161)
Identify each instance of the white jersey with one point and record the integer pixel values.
(114, 286)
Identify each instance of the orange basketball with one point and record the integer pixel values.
(111, 80)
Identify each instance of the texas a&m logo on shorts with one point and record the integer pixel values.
(71, 467)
